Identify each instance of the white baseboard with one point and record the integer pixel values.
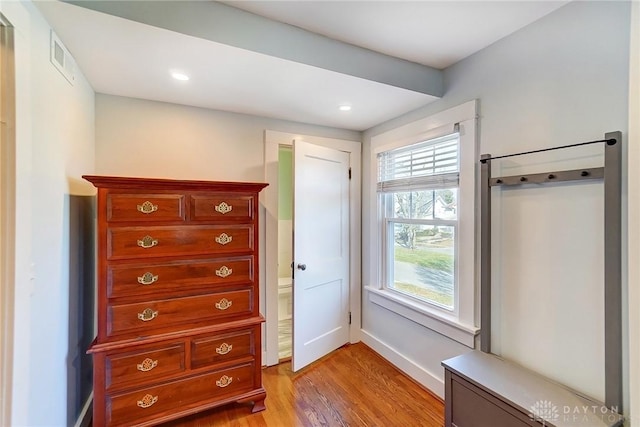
(408, 366)
(86, 413)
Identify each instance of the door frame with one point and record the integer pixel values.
(269, 199)
(633, 221)
(7, 214)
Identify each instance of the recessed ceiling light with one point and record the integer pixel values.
(345, 108)
(179, 76)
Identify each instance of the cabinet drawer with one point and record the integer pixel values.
(222, 207)
(147, 317)
(178, 276)
(470, 409)
(222, 347)
(145, 207)
(143, 365)
(141, 405)
(128, 242)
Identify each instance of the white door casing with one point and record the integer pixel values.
(7, 214)
(321, 252)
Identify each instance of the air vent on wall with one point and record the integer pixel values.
(62, 59)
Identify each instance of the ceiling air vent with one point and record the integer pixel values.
(62, 59)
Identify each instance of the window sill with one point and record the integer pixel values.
(440, 322)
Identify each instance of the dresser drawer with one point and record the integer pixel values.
(143, 365)
(138, 406)
(128, 242)
(177, 276)
(221, 207)
(148, 317)
(145, 207)
(209, 350)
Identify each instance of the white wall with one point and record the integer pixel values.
(563, 79)
(55, 139)
(153, 139)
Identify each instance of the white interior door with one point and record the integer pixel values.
(320, 252)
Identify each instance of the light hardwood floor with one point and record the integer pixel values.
(353, 386)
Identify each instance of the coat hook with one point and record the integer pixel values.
(584, 173)
(523, 178)
(498, 181)
(551, 176)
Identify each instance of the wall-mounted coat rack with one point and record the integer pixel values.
(610, 172)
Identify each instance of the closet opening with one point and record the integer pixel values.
(285, 251)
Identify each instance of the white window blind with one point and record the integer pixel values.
(425, 165)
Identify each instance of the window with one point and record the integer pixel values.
(418, 193)
(421, 247)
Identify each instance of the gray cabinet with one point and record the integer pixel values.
(483, 390)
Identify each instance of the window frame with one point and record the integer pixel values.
(459, 324)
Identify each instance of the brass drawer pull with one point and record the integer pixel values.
(147, 365)
(147, 207)
(224, 238)
(224, 381)
(223, 304)
(147, 242)
(147, 278)
(224, 348)
(224, 272)
(147, 401)
(147, 315)
(223, 208)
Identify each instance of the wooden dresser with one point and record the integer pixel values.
(178, 319)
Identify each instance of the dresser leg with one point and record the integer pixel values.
(258, 405)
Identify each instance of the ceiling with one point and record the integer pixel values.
(433, 33)
(290, 60)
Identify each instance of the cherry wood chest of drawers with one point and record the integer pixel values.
(178, 319)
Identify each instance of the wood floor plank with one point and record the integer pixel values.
(353, 386)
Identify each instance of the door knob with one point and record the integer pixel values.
(302, 267)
